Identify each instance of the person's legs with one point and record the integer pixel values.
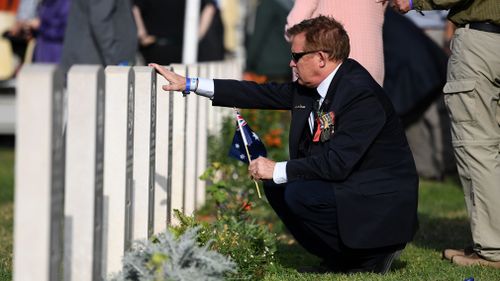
(473, 92)
(308, 209)
(276, 196)
(424, 140)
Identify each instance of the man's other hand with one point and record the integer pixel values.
(177, 82)
(261, 169)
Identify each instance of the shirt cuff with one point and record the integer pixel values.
(205, 88)
(279, 173)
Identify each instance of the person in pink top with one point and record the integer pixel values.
(363, 22)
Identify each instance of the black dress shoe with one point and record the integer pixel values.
(385, 264)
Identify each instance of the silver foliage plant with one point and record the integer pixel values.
(167, 258)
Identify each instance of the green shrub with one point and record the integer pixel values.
(250, 245)
(167, 257)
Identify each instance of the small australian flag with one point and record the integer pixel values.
(255, 146)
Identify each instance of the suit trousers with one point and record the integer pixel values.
(472, 96)
(309, 211)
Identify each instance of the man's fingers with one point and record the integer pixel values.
(252, 169)
(170, 76)
(163, 71)
(252, 165)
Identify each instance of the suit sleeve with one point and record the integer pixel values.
(356, 128)
(247, 94)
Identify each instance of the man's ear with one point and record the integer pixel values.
(322, 59)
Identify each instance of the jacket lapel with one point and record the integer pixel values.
(302, 107)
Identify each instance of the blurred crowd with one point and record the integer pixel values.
(137, 32)
(107, 32)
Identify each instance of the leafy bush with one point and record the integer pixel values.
(250, 245)
(166, 257)
(233, 233)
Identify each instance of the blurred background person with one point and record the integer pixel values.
(160, 35)
(44, 21)
(267, 52)
(472, 94)
(38, 32)
(14, 15)
(49, 30)
(100, 32)
(8, 10)
(210, 32)
(363, 22)
(25, 12)
(415, 68)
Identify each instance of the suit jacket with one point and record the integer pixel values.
(99, 32)
(367, 160)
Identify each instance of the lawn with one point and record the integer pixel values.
(443, 223)
(6, 211)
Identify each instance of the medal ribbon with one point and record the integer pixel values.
(318, 130)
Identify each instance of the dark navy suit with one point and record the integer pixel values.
(355, 194)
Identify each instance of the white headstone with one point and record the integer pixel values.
(118, 156)
(202, 137)
(177, 144)
(162, 155)
(84, 174)
(191, 140)
(39, 174)
(143, 162)
(212, 111)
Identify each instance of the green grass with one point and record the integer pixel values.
(443, 223)
(6, 211)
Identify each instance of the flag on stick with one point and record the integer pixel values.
(246, 144)
(245, 137)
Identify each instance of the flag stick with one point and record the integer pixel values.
(246, 148)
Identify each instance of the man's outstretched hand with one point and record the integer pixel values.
(401, 6)
(261, 168)
(177, 82)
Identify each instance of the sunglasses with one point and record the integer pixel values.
(297, 56)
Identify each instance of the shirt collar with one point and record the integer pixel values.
(325, 84)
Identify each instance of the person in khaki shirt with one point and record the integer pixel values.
(472, 95)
